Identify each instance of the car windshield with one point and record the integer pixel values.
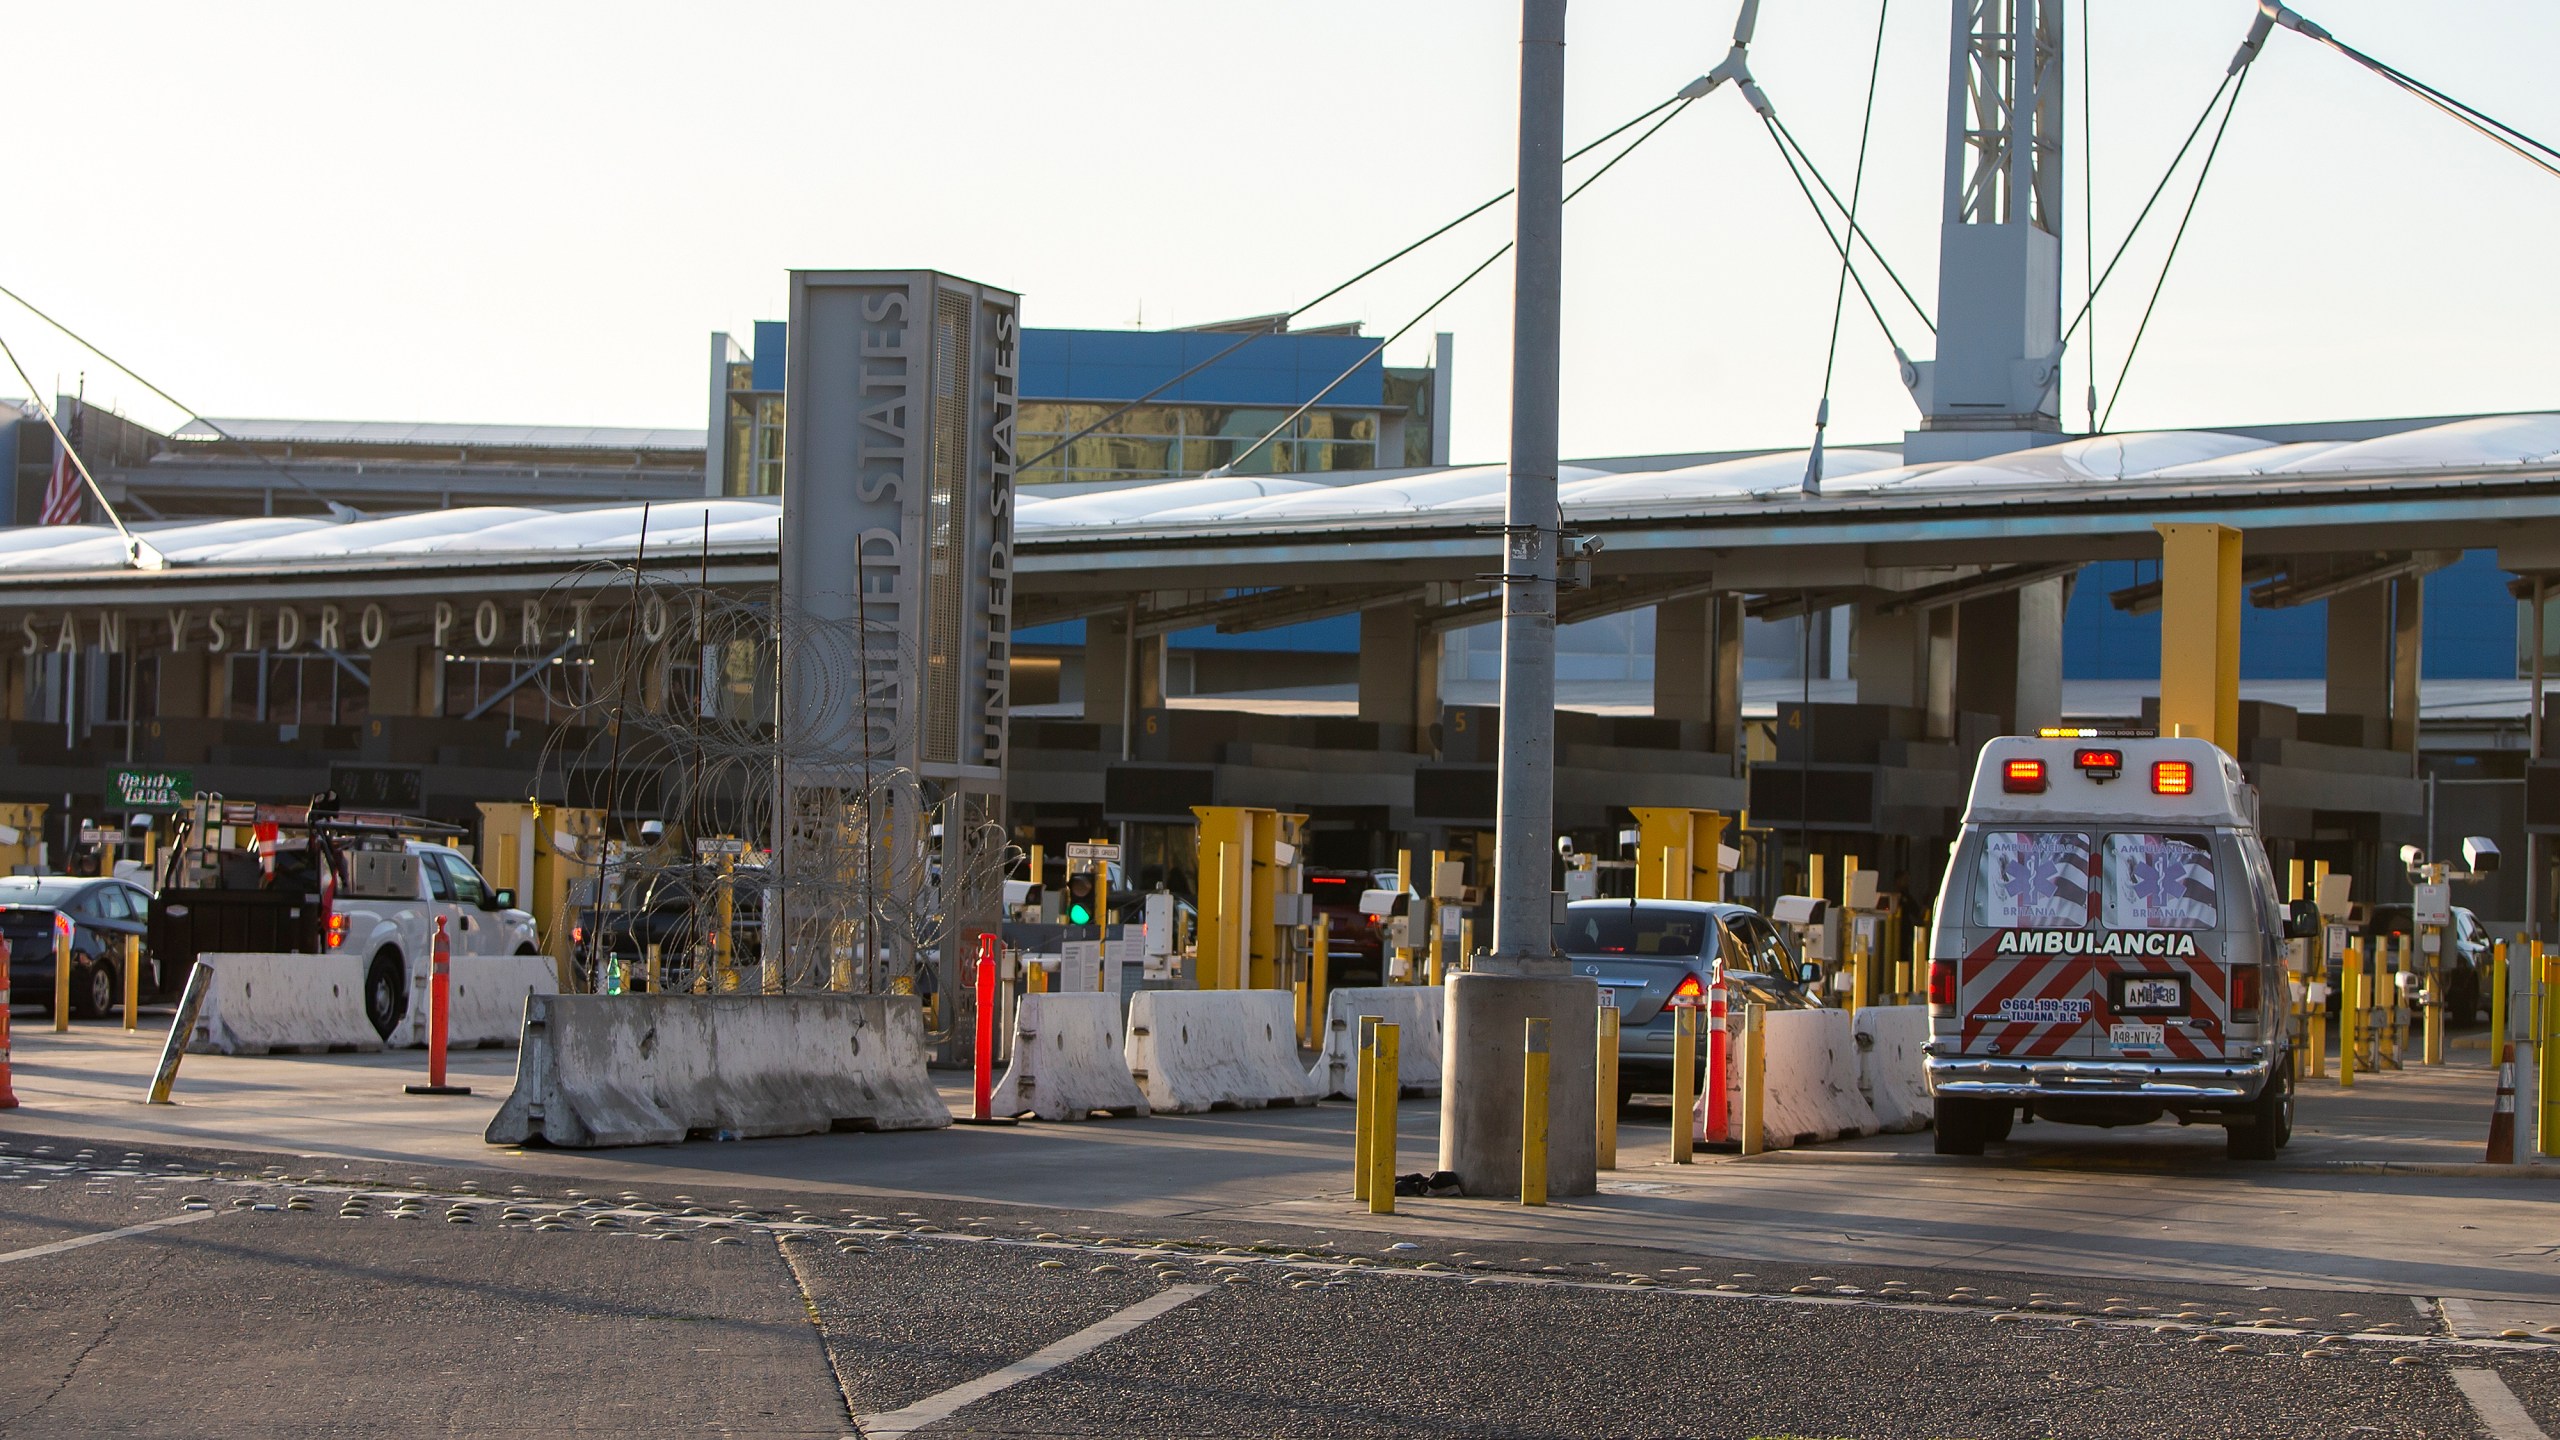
(40, 889)
(1636, 930)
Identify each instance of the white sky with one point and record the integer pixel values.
(536, 213)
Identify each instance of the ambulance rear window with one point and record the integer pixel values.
(2033, 880)
(2160, 882)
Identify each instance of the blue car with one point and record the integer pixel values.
(1644, 952)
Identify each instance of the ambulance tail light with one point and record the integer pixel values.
(2244, 995)
(1942, 987)
(2173, 777)
(2022, 777)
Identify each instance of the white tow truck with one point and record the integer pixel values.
(319, 881)
(2108, 947)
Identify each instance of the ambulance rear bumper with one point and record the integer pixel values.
(2018, 1079)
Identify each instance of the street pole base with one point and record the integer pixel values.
(990, 1120)
(439, 1089)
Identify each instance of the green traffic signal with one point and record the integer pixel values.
(1079, 915)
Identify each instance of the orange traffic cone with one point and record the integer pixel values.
(8, 1096)
(2502, 1121)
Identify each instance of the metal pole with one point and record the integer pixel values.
(1525, 810)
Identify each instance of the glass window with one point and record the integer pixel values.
(439, 884)
(467, 886)
(2160, 882)
(1630, 930)
(112, 902)
(2033, 879)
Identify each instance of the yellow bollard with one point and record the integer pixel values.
(2497, 998)
(2546, 1100)
(1381, 1095)
(1533, 1113)
(61, 980)
(133, 982)
(2433, 1037)
(1319, 1003)
(1466, 943)
(1364, 1086)
(657, 969)
(1604, 1132)
(1755, 1073)
(1684, 1080)
(2350, 997)
(722, 943)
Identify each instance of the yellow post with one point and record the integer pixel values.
(2399, 994)
(1466, 942)
(133, 982)
(1318, 1001)
(2546, 1085)
(1684, 1081)
(2200, 631)
(1755, 1074)
(1814, 866)
(1431, 909)
(1604, 1133)
(1533, 1113)
(721, 941)
(61, 980)
(657, 969)
(1381, 1094)
(2350, 1026)
(1364, 1083)
(2432, 1039)
(2497, 999)
(1404, 952)
(1039, 871)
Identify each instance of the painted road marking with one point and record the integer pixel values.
(58, 1246)
(2496, 1406)
(934, 1409)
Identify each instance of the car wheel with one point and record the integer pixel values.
(93, 992)
(1960, 1126)
(2268, 1127)
(386, 992)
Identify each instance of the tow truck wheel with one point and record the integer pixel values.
(386, 992)
(2268, 1126)
(1961, 1126)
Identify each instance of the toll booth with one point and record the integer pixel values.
(1252, 898)
(550, 855)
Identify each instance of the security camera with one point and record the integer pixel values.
(2410, 855)
(2479, 854)
(140, 825)
(1564, 846)
(652, 831)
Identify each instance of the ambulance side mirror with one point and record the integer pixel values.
(2302, 921)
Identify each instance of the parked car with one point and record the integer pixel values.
(670, 908)
(2466, 957)
(98, 915)
(1644, 952)
(1355, 944)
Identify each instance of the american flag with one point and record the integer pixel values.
(62, 497)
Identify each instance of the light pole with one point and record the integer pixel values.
(1489, 1006)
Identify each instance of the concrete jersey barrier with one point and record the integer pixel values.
(603, 1070)
(1889, 1069)
(488, 998)
(1195, 1050)
(261, 1003)
(1415, 1010)
(1810, 1089)
(1067, 1060)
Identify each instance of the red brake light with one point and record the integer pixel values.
(2023, 777)
(1688, 991)
(2100, 764)
(2244, 993)
(1942, 985)
(337, 931)
(578, 934)
(62, 924)
(2173, 777)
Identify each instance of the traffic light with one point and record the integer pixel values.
(1082, 907)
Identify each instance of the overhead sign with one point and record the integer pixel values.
(388, 787)
(1084, 851)
(150, 789)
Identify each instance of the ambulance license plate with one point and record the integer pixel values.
(2136, 1037)
(2153, 993)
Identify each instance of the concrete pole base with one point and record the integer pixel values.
(1480, 1080)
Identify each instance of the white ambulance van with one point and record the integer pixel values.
(2109, 947)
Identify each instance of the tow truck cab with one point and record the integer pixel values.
(2108, 947)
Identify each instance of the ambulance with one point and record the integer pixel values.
(2108, 948)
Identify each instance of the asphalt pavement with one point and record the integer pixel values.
(169, 1291)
